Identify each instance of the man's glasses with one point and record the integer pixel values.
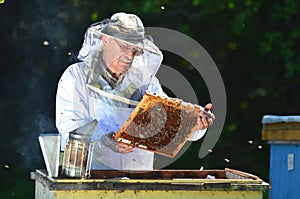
(126, 48)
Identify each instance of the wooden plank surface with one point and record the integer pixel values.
(281, 131)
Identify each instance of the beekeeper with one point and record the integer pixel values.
(118, 63)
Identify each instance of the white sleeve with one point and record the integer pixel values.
(197, 135)
(71, 102)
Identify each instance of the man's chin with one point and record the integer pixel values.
(125, 66)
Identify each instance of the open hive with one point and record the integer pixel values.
(221, 184)
(159, 124)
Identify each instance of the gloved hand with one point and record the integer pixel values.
(109, 141)
(206, 117)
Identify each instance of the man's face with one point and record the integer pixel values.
(118, 55)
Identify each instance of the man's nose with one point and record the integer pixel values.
(130, 54)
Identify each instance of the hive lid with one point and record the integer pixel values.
(268, 119)
(281, 128)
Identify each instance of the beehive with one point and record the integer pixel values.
(281, 128)
(169, 184)
(283, 134)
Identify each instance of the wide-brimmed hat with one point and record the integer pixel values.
(125, 27)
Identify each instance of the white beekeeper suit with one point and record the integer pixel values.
(77, 102)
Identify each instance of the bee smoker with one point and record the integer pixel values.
(77, 151)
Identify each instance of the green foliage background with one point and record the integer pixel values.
(255, 45)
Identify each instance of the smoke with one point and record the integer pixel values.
(45, 124)
(43, 61)
(29, 147)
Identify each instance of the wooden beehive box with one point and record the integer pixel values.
(161, 125)
(283, 135)
(284, 128)
(175, 184)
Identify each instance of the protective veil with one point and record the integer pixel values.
(78, 102)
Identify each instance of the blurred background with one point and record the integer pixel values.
(254, 44)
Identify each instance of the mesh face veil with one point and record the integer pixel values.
(137, 78)
(141, 70)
